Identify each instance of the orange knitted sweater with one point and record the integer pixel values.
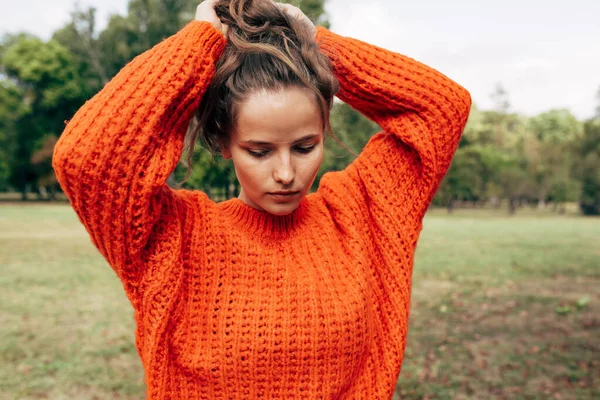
(235, 303)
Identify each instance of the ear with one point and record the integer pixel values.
(225, 151)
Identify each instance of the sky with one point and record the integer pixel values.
(545, 53)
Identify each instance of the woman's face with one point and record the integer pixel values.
(276, 146)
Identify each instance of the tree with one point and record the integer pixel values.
(553, 134)
(147, 23)
(462, 182)
(314, 9)
(353, 130)
(478, 130)
(472, 176)
(79, 36)
(587, 168)
(41, 160)
(501, 107)
(514, 182)
(12, 108)
(598, 106)
(47, 76)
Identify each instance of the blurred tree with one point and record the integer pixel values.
(462, 182)
(47, 76)
(81, 38)
(12, 108)
(477, 130)
(472, 177)
(147, 23)
(556, 127)
(553, 133)
(208, 173)
(501, 154)
(353, 130)
(501, 107)
(514, 182)
(118, 43)
(491, 138)
(587, 168)
(41, 160)
(505, 131)
(598, 105)
(314, 9)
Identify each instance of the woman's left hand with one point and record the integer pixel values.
(298, 14)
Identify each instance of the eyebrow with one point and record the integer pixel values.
(260, 143)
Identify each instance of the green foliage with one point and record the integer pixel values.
(353, 130)
(555, 127)
(206, 172)
(598, 103)
(503, 131)
(502, 155)
(314, 9)
(80, 37)
(147, 23)
(466, 179)
(45, 75)
(507, 156)
(12, 107)
(587, 168)
(47, 72)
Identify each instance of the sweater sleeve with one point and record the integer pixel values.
(422, 114)
(116, 153)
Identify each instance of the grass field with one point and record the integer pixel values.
(503, 307)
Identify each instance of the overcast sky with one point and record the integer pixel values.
(546, 53)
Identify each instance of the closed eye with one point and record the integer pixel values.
(264, 153)
(305, 150)
(257, 154)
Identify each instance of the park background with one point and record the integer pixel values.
(506, 297)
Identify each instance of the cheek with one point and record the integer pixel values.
(310, 165)
(249, 172)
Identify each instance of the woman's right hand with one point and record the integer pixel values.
(299, 15)
(206, 12)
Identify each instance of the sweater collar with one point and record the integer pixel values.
(263, 224)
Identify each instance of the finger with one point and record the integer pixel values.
(288, 9)
(284, 6)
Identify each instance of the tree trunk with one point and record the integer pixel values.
(512, 206)
(51, 193)
(23, 185)
(541, 204)
(41, 192)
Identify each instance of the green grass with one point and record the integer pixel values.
(484, 321)
(503, 307)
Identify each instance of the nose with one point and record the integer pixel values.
(284, 170)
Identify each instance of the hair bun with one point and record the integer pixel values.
(267, 49)
(256, 21)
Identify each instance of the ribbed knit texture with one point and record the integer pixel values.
(234, 303)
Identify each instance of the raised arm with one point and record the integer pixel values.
(116, 153)
(421, 111)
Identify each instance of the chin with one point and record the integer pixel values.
(281, 209)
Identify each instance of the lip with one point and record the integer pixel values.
(283, 196)
(289, 193)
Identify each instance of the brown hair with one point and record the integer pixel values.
(266, 49)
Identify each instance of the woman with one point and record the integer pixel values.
(267, 295)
